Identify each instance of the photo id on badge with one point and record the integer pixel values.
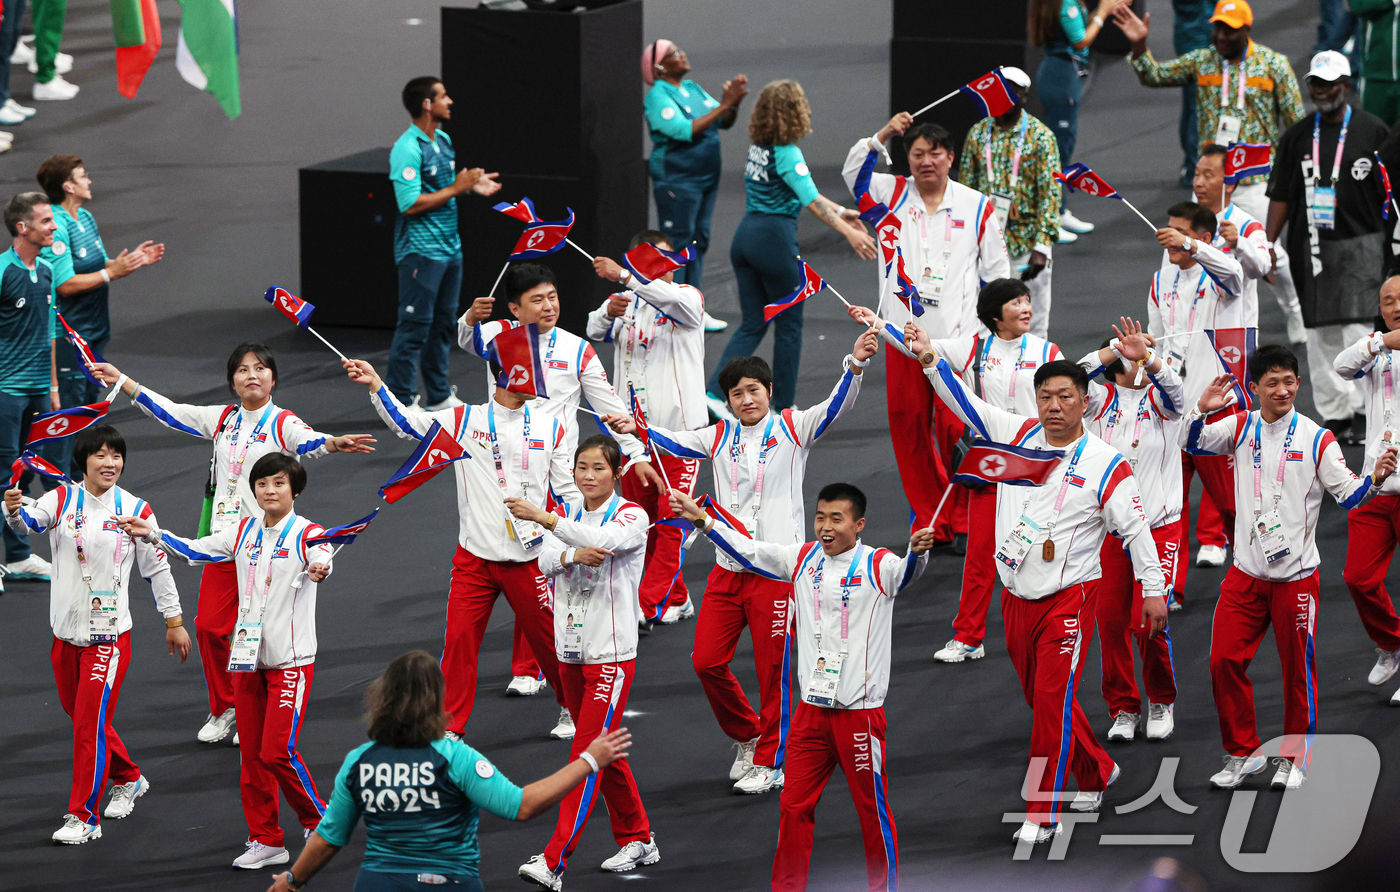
(102, 618)
(243, 647)
(1002, 204)
(931, 281)
(576, 608)
(1227, 130)
(1268, 528)
(1018, 544)
(826, 675)
(1324, 209)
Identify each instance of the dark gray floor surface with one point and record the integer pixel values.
(320, 80)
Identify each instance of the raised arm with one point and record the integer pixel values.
(197, 421)
(1358, 359)
(898, 572)
(1224, 269)
(811, 424)
(764, 558)
(859, 168)
(1218, 437)
(38, 517)
(1349, 490)
(987, 420)
(410, 424)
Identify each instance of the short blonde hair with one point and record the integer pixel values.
(781, 115)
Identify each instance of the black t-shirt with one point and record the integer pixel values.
(1353, 254)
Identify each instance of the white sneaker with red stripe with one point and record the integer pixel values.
(75, 831)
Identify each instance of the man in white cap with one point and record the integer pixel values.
(1013, 159)
(1326, 187)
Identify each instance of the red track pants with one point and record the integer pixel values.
(476, 583)
(1247, 607)
(1047, 640)
(1372, 531)
(1118, 600)
(214, 621)
(924, 432)
(979, 567)
(732, 601)
(597, 695)
(1215, 522)
(662, 584)
(821, 739)
(89, 681)
(271, 706)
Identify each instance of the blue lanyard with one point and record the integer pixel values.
(496, 448)
(1259, 458)
(734, 466)
(612, 509)
(1015, 369)
(846, 584)
(1341, 142)
(79, 522)
(233, 442)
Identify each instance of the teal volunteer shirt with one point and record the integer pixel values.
(27, 325)
(77, 248)
(418, 164)
(777, 181)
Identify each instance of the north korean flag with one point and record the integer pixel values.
(342, 534)
(435, 452)
(990, 462)
(1385, 181)
(542, 238)
(887, 226)
(85, 351)
(993, 94)
(523, 210)
(720, 515)
(1079, 178)
(647, 262)
(517, 352)
(65, 422)
(903, 288)
(1244, 159)
(31, 462)
(811, 284)
(639, 418)
(1233, 347)
(293, 307)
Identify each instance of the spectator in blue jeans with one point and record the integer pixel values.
(11, 112)
(28, 376)
(427, 248)
(685, 122)
(1190, 31)
(764, 251)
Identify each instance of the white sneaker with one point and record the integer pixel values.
(1173, 605)
(537, 872)
(1034, 833)
(674, 615)
(760, 779)
(124, 797)
(450, 403)
(634, 854)
(1091, 801)
(452, 735)
(564, 730)
(16, 107)
(1288, 776)
(216, 728)
(6, 137)
(1387, 661)
(713, 324)
(1074, 224)
(524, 686)
(1065, 237)
(32, 567)
(1161, 721)
(75, 831)
(1236, 769)
(1297, 331)
(1124, 727)
(62, 62)
(234, 742)
(7, 116)
(1211, 556)
(57, 89)
(955, 652)
(743, 760)
(24, 51)
(718, 407)
(259, 855)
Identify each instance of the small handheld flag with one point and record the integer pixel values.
(647, 262)
(990, 462)
(904, 289)
(716, 511)
(993, 94)
(435, 452)
(343, 534)
(1079, 178)
(65, 422)
(811, 284)
(30, 461)
(1389, 196)
(523, 210)
(88, 356)
(542, 238)
(517, 352)
(1243, 159)
(1232, 347)
(639, 418)
(297, 310)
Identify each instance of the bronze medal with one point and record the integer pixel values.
(1047, 551)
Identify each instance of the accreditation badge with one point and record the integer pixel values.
(1227, 129)
(1001, 202)
(826, 675)
(1017, 544)
(102, 617)
(1268, 529)
(935, 273)
(1324, 208)
(243, 647)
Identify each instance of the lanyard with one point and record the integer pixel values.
(1389, 388)
(1064, 488)
(255, 560)
(496, 450)
(947, 235)
(589, 573)
(1258, 462)
(1015, 155)
(1225, 82)
(1195, 301)
(1015, 369)
(762, 467)
(79, 522)
(1141, 414)
(851, 576)
(1341, 142)
(236, 457)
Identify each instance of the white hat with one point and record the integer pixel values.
(1016, 76)
(1329, 65)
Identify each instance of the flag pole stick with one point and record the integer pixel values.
(838, 296)
(1149, 223)
(936, 511)
(327, 343)
(502, 275)
(580, 250)
(936, 102)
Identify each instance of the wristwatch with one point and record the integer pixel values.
(293, 884)
(626, 276)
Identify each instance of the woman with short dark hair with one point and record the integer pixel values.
(420, 793)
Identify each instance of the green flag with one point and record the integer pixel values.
(207, 55)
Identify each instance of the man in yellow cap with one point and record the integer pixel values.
(1253, 109)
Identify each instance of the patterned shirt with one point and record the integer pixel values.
(1271, 98)
(1035, 201)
